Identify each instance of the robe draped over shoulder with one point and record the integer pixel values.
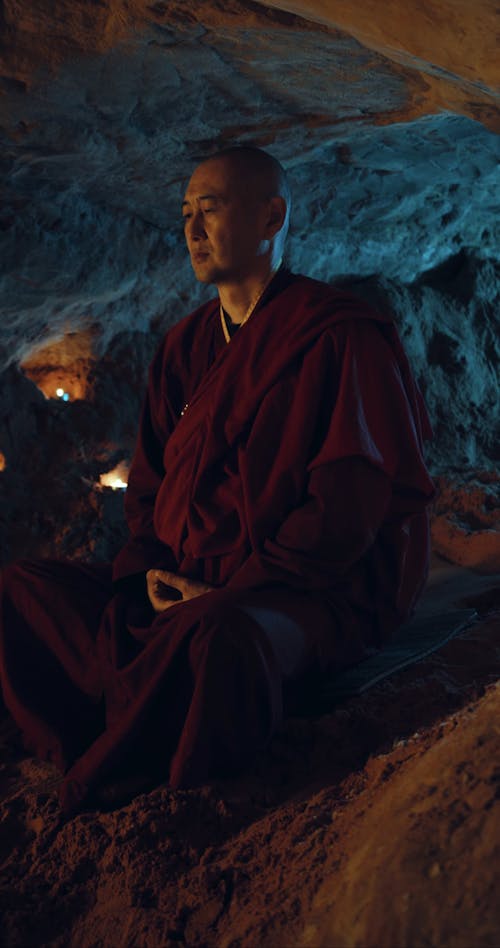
(297, 461)
(293, 481)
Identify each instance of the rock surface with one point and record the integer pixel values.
(450, 45)
(376, 823)
(385, 118)
(106, 108)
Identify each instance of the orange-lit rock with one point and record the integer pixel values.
(374, 824)
(452, 45)
(446, 49)
(466, 522)
(62, 366)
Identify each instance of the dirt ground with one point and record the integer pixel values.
(372, 825)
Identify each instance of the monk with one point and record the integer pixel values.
(277, 513)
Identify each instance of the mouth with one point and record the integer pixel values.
(199, 256)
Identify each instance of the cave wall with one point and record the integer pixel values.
(393, 158)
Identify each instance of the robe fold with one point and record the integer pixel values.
(285, 469)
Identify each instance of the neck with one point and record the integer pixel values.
(237, 298)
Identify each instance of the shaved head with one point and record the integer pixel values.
(266, 172)
(259, 172)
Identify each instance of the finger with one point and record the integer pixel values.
(187, 588)
(162, 604)
(163, 591)
(163, 583)
(191, 587)
(167, 577)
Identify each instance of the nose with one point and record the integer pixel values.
(195, 229)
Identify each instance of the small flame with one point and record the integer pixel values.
(3, 461)
(116, 479)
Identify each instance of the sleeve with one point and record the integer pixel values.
(366, 468)
(143, 550)
(318, 542)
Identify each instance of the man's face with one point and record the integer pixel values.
(224, 223)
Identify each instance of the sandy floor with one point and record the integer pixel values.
(373, 825)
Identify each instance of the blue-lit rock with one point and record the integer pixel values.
(100, 130)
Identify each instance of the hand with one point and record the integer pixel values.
(166, 588)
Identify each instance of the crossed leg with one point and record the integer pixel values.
(220, 667)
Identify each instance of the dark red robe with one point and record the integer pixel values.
(292, 481)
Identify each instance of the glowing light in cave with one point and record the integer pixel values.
(3, 461)
(62, 394)
(109, 480)
(115, 479)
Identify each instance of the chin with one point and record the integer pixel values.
(206, 274)
(202, 277)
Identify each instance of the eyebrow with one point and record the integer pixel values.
(203, 197)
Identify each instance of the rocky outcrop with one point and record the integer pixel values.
(105, 109)
(373, 824)
(448, 48)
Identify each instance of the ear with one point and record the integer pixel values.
(276, 216)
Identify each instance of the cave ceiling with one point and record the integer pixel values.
(386, 118)
(385, 115)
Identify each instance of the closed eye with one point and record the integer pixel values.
(204, 210)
